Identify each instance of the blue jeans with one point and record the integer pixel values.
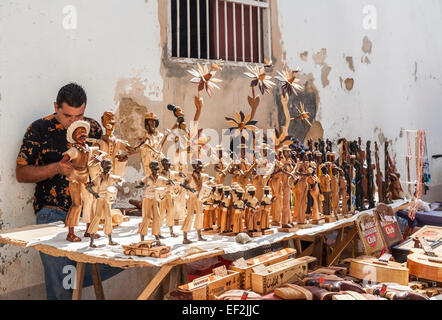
(54, 267)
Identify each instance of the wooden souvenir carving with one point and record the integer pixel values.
(359, 187)
(153, 195)
(223, 225)
(209, 216)
(352, 172)
(221, 167)
(81, 156)
(287, 178)
(361, 157)
(114, 147)
(325, 184)
(343, 190)
(370, 178)
(253, 223)
(168, 206)
(106, 196)
(195, 184)
(334, 183)
(150, 248)
(300, 194)
(317, 217)
(386, 188)
(260, 79)
(151, 148)
(266, 204)
(239, 207)
(276, 185)
(379, 178)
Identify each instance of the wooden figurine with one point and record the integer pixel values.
(81, 156)
(379, 178)
(334, 183)
(361, 157)
(238, 212)
(301, 191)
(287, 177)
(386, 188)
(352, 183)
(221, 166)
(325, 183)
(209, 218)
(276, 185)
(343, 190)
(153, 195)
(114, 147)
(262, 173)
(168, 207)
(370, 177)
(313, 181)
(359, 187)
(253, 223)
(151, 148)
(225, 205)
(266, 204)
(195, 184)
(105, 198)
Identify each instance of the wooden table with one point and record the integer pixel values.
(21, 237)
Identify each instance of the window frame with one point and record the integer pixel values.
(266, 36)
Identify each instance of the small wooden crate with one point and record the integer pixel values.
(368, 270)
(266, 260)
(281, 273)
(212, 286)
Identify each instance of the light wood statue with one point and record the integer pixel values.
(153, 195)
(325, 183)
(168, 207)
(218, 197)
(343, 193)
(225, 206)
(81, 157)
(266, 205)
(209, 207)
(152, 146)
(334, 183)
(253, 223)
(195, 184)
(276, 185)
(239, 206)
(287, 177)
(222, 166)
(313, 181)
(300, 193)
(114, 147)
(105, 196)
(261, 175)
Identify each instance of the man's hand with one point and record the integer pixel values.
(63, 168)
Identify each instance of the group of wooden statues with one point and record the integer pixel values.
(291, 187)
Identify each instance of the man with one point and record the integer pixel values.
(40, 161)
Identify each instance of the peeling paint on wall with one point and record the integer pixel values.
(350, 63)
(415, 71)
(367, 47)
(349, 83)
(319, 59)
(304, 56)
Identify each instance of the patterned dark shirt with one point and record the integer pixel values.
(44, 143)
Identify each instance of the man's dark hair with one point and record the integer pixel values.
(72, 94)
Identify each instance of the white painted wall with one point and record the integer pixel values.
(38, 56)
(386, 94)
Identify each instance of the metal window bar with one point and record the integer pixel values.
(256, 29)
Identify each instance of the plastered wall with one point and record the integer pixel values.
(368, 83)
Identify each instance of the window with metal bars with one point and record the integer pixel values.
(231, 30)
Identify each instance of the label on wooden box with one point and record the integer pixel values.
(391, 232)
(240, 263)
(370, 234)
(220, 271)
(261, 269)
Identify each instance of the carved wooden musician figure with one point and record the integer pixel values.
(113, 146)
(222, 166)
(209, 207)
(325, 183)
(334, 183)
(266, 204)
(168, 207)
(343, 191)
(154, 184)
(105, 197)
(81, 156)
(151, 149)
(253, 223)
(195, 184)
(225, 206)
(238, 211)
(288, 166)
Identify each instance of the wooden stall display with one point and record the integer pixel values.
(426, 263)
(207, 287)
(246, 268)
(370, 234)
(269, 278)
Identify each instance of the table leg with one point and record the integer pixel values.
(155, 282)
(96, 278)
(79, 277)
(341, 245)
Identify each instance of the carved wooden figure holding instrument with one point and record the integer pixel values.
(225, 205)
(238, 211)
(195, 183)
(266, 204)
(105, 198)
(151, 148)
(81, 157)
(253, 223)
(153, 194)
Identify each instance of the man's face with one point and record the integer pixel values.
(66, 115)
(80, 135)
